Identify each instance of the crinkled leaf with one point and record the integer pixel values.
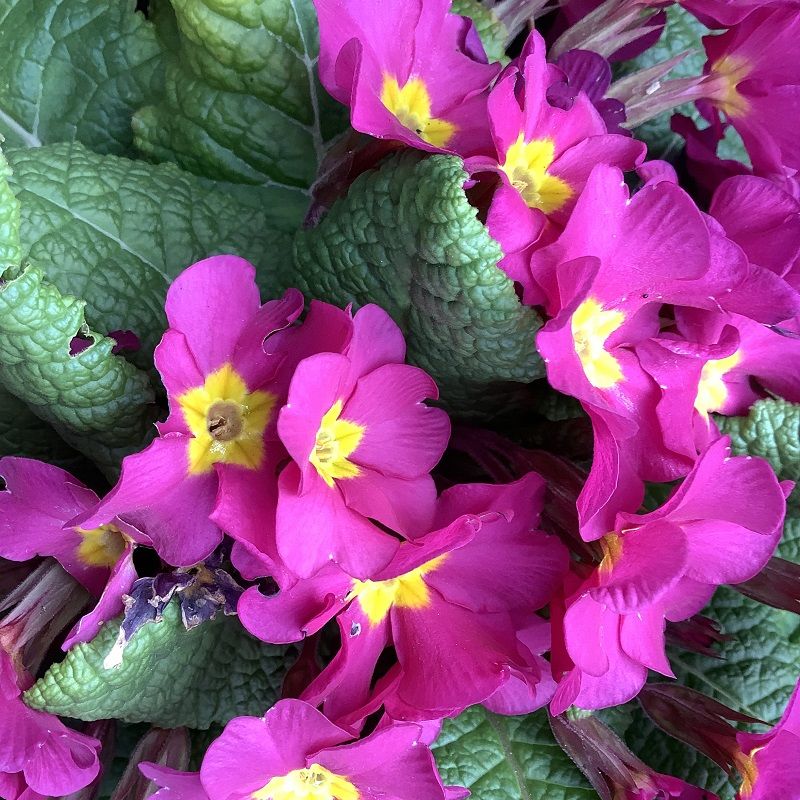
(492, 31)
(98, 402)
(513, 758)
(169, 676)
(115, 232)
(10, 250)
(75, 70)
(406, 237)
(771, 430)
(22, 433)
(242, 101)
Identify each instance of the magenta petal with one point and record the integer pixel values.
(392, 763)
(403, 436)
(376, 341)
(588, 630)
(37, 502)
(174, 785)
(110, 604)
(403, 505)
(450, 657)
(255, 750)
(55, 760)
(210, 303)
(641, 637)
(295, 611)
(345, 685)
(156, 495)
(317, 527)
(177, 367)
(247, 500)
(653, 558)
(318, 382)
(249, 358)
(476, 576)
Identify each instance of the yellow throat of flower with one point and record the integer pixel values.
(227, 421)
(312, 783)
(100, 547)
(406, 591)
(711, 390)
(591, 325)
(411, 105)
(526, 166)
(335, 441)
(730, 71)
(746, 766)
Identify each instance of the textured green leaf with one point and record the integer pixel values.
(22, 433)
(242, 101)
(98, 402)
(115, 232)
(169, 676)
(10, 250)
(406, 237)
(75, 70)
(770, 430)
(513, 758)
(492, 31)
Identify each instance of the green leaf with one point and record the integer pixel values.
(771, 430)
(241, 102)
(75, 70)
(22, 433)
(513, 758)
(115, 232)
(10, 249)
(405, 237)
(169, 676)
(493, 33)
(97, 402)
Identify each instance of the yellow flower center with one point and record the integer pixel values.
(711, 390)
(411, 104)
(336, 440)
(611, 545)
(100, 547)
(591, 326)
(312, 783)
(405, 591)
(746, 765)
(732, 70)
(526, 165)
(227, 421)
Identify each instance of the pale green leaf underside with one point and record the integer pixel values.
(169, 676)
(75, 70)
(405, 237)
(493, 33)
(513, 758)
(115, 232)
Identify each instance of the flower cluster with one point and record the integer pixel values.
(300, 439)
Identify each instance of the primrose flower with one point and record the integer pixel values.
(363, 444)
(224, 390)
(717, 363)
(721, 525)
(754, 80)
(768, 762)
(32, 742)
(394, 63)
(446, 602)
(37, 509)
(543, 154)
(294, 753)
